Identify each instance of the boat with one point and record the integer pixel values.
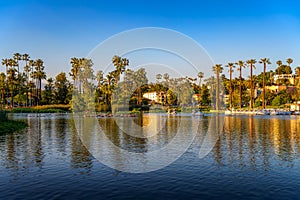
(228, 112)
(172, 112)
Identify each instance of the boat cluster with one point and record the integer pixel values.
(262, 112)
(107, 115)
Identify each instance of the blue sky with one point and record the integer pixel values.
(55, 31)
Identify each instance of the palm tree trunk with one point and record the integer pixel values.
(40, 90)
(217, 92)
(230, 91)
(241, 87)
(251, 89)
(264, 88)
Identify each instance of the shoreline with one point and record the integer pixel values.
(10, 126)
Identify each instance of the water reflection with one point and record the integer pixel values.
(258, 142)
(245, 143)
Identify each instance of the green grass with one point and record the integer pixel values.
(10, 126)
(43, 109)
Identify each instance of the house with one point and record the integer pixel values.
(276, 88)
(196, 97)
(290, 77)
(295, 106)
(156, 97)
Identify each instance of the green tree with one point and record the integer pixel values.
(62, 87)
(48, 93)
(2, 88)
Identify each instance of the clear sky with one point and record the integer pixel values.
(229, 30)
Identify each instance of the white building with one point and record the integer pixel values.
(157, 97)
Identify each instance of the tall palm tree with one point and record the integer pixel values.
(200, 76)
(289, 61)
(158, 77)
(265, 61)
(250, 64)
(39, 74)
(217, 69)
(11, 79)
(27, 70)
(17, 57)
(230, 66)
(5, 62)
(279, 63)
(241, 65)
(120, 64)
(2, 88)
(75, 69)
(31, 85)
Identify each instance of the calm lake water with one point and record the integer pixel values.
(254, 157)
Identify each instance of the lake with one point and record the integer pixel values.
(253, 157)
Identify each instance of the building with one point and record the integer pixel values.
(156, 97)
(295, 106)
(196, 97)
(276, 88)
(290, 77)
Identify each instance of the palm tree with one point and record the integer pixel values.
(265, 61)
(158, 77)
(75, 69)
(17, 57)
(200, 76)
(5, 62)
(27, 71)
(251, 63)
(11, 79)
(289, 61)
(120, 64)
(39, 74)
(230, 66)
(2, 88)
(241, 65)
(279, 63)
(217, 69)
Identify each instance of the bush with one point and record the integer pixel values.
(11, 126)
(3, 115)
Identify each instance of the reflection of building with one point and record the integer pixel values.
(157, 97)
(290, 77)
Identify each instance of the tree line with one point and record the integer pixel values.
(21, 85)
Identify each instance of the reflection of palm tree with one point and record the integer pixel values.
(217, 69)
(241, 66)
(264, 61)
(251, 63)
(230, 66)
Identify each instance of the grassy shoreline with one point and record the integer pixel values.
(10, 126)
